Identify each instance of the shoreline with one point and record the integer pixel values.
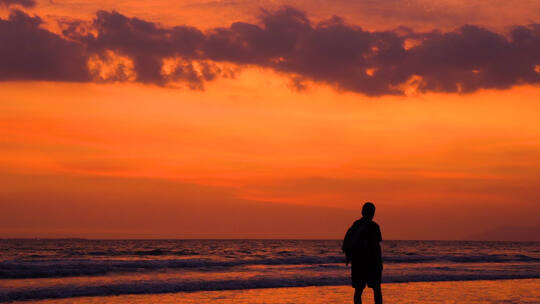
(66, 290)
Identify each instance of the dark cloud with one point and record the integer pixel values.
(29, 52)
(148, 44)
(331, 51)
(473, 58)
(23, 3)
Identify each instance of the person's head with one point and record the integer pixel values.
(368, 210)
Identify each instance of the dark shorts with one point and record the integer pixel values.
(366, 274)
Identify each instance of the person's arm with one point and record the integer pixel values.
(379, 250)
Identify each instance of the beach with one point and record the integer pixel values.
(524, 291)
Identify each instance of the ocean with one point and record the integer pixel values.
(39, 269)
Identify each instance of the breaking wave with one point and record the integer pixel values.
(85, 267)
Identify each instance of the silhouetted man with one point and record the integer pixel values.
(362, 249)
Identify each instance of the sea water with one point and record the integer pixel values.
(52, 269)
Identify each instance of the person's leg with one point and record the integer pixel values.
(358, 295)
(377, 294)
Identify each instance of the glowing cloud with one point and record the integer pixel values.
(331, 52)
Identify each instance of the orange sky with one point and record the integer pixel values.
(251, 156)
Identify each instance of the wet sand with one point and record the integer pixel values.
(525, 291)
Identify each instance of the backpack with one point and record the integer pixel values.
(355, 243)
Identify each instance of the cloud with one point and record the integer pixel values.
(148, 45)
(29, 52)
(330, 52)
(23, 3)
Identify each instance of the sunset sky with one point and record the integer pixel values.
(268, 119)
